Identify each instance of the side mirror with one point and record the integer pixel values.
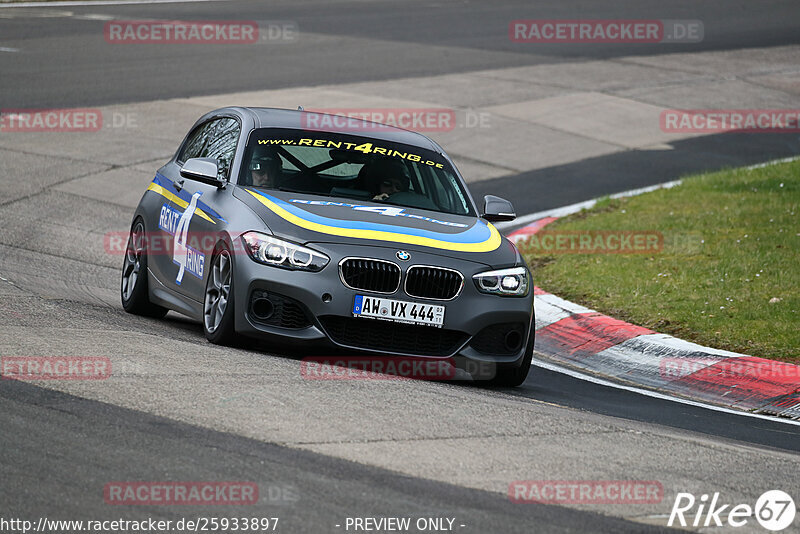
(203, 170)
(496, 209)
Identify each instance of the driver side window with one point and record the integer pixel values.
(215, 139)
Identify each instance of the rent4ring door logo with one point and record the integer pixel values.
(176, 223)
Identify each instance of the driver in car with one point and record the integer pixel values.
(265, 167)
(386, 177)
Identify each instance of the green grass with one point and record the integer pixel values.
(731, 244)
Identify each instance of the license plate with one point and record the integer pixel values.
(398, 311)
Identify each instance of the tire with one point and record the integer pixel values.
(134, 291)
(218, 303)
(512, 378)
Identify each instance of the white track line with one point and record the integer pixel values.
(773, 162)
(586, 204)
(649, 393)
(575, 208)
(77, 3)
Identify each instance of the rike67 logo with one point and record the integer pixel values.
(774, 510)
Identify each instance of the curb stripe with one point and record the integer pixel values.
(550, 309)
(788, 407)
(571, 334)
(586, 334)
(654, 360)
(753, 382)
(527, 231)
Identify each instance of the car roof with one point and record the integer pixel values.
(296, 119)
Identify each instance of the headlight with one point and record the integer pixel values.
(507, 282)
(270, 250)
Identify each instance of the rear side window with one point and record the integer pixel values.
(214, 139)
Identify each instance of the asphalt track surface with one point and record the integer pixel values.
(58, 449)
(62, 62)
(366, 41)
(311, 492)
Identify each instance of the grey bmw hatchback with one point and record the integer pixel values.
(355, 237)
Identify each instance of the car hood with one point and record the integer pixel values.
(305, 218)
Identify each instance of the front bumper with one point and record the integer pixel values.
(316, 312)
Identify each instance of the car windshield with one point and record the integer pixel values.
(352, 167)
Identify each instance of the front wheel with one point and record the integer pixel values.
(133, 286)
(218, 306)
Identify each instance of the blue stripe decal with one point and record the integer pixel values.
(165, 182)
(477, 233)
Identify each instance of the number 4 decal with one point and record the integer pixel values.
(366, 148)
(180, 250)
(383, 210)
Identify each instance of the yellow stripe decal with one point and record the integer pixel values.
(177, 200)
(491, 243)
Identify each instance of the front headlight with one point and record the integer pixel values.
(506, 282)
(270, 250)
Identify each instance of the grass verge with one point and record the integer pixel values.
(727, 276)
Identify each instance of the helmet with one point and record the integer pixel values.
(389, 171)
(264, 158)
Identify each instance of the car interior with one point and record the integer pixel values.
(354, 175)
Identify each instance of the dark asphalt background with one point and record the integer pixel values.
(57, 468)
(370, 41)
(406, 38)
(58, 451)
